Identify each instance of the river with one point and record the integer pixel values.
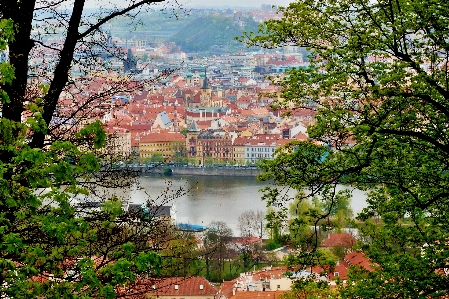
(202, 199)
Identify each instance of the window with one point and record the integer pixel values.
(278, 286)
(336, 274)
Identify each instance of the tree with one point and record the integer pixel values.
(303, 214)
(209, 161)
(276, 222)
(179, 256)
(64, 230)
(379, 82)
(84, 46)
(310, 289)
(217, 236)
(251, 223)
(157, 158)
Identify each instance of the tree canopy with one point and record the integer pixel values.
(379, 81)
(35, 52)
(64, 229)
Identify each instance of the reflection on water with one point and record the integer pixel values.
(211, 198)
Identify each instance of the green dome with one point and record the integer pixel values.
(189, 73)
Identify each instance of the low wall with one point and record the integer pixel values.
(223, 171)
(191, 170)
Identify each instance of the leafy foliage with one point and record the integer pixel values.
(308, 288)
(64, 232)
(378, 78)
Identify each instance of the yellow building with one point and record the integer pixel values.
(238, 150)
(169, 144)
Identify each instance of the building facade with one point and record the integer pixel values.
(168, 144)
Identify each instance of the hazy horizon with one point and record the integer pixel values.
(199, 3)
(235, 3)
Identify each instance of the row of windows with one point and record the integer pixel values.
(260, 149)
(259, 155)
(158, 150)
(216, 143)
(150, 155)
(160, 144)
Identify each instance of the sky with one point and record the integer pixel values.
(204, 3)
(241, 3)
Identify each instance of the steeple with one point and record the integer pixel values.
(193, 127)
(205, 83)
(189, 73)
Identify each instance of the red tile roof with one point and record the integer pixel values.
(163, 136)
(358, 259)
(174, 286)
(335, 239)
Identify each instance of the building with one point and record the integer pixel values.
(168, 144)
(238, 150)
(170, 288)
(257, 150)
(192, 145)
(165, 212)
(163, 121)
(118, 142)
(215, 146)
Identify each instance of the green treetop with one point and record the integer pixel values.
(379, 80)
(53, 242)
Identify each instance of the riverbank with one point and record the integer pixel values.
(200, 171)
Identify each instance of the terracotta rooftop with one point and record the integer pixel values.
(174, 286)
(358, 259)
(162, 136)
(335, 239)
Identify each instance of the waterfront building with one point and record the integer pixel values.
(238, 150)
(118, 142)
(192, 133)
(210, 144)
(215, 146)
(169, 144)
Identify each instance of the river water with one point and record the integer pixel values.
(202, 199)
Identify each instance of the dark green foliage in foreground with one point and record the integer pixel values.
(379, 77)
(53, 242)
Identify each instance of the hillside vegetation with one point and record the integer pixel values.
(207, 32)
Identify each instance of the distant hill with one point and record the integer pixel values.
(211, 33)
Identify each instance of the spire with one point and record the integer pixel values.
(189, 73)
(193, 127)
(205, 85)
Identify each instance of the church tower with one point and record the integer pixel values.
(192, 145)
(189, 77)
(206, 92)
